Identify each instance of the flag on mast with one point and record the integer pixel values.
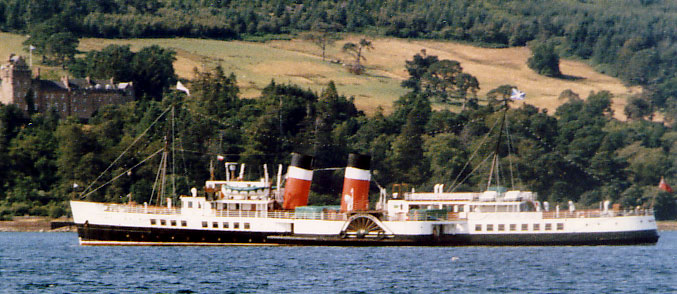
(181, 87)
(220, 158)
(664, 186)
(517, 94)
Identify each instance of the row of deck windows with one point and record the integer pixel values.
(171, 222)
(224, 225)
(523, 227)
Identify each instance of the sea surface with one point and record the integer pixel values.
(55, 263)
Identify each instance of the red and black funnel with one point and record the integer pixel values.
(355, 194)
(299, 178)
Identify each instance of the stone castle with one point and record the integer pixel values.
(69, 97)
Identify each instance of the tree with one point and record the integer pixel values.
(637, 108)
(153, 71)
(63, 46)
(440, 78)
(417, 68)
(446, 81)
(113, 61)
(499, 95)
(56, 46)
(544, 60)
(323, 35)
(355, 50)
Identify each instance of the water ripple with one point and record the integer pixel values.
(54, 263)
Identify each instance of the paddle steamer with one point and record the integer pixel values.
(233, 212)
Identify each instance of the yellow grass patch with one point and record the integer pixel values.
(300, 62)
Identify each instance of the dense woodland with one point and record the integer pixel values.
(630, 39)
(579, 152)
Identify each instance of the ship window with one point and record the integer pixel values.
(548, 227)
(215, 225)
(204, 224)
(213, 205)
(501, 227)
(537, 227)
(153, 221)
(460, 208)
(490, 227)
(236, 225)
(173, 223)
(183, 223)
(478, 228)
(513, 227)
(525, 227)
(190, 204)
(225, 225)
(163, 222)
(560, 226)
(246, 226)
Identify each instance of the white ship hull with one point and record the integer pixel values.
(118, 224)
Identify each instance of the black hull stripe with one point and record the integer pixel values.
(115, 235)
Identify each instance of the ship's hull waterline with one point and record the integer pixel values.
(129, 236)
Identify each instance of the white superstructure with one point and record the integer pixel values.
(247, 212)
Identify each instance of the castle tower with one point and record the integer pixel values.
(16, 81)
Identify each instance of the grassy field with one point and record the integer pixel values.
(299, 62)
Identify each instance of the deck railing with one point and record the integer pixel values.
(332, 215)
(141, 209)
(593, 213)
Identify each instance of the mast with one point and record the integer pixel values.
(495, 163)
(163, 172)
(173, 158)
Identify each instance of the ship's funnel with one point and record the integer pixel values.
(299, 177)
(355, 194)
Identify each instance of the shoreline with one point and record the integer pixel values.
(35, 224)
(44, 224)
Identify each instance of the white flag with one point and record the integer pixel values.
(75, 185)
(220, 158)
(31, 47)
(181, 87)
(517, 94)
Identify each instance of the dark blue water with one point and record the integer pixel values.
(55, 263)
